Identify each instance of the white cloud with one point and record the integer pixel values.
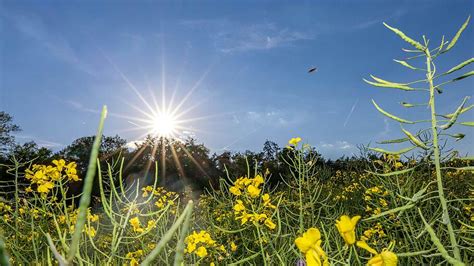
(39, 141)
(229, 36)
(266, 118)
(337, 145)
(258, 37)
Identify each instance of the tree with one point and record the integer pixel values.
(6, 129)
(80, 149)
(180, 162)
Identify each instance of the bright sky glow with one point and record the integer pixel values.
(164, 125)
(232, 74)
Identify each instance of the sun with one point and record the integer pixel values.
(164, 125)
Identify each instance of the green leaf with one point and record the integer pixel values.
(402, 35)
(467, 158)
(469, 124)
(415, 140)
(459, 66)
(396, 118)
(466, 75)
(405, 64)
(392, 152)
(393, 141)
(458, 34)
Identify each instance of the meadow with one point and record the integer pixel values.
(411, 206)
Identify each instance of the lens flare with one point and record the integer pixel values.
(164, 125)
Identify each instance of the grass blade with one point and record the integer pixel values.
(87, 189)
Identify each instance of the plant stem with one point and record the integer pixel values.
(439, 180)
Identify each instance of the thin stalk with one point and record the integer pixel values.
(439, 180)
(86, 193)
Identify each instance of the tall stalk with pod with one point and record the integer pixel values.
(440, 124)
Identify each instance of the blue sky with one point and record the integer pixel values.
(241, 67)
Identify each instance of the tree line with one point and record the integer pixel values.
(177, 162)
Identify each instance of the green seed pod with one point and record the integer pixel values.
(392, 152)
(456, 37)
(402, 35)
(462, 111)
(469, 124)
(407, 105)
(393, 173)
(458, 136)
(415, 140)
(404, 63)
(393, 141)
(459, 66)
(455, 115)
(385, 81)
(468, 74)
(396, 118)
(390, 85)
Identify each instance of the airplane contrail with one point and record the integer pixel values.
(350, 113)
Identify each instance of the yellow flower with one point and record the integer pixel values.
(244, 218)
(310, 245)
(266, 201)
(59, 164)
(253, 191)
(201, 252)
(235, 190)
(137, 227)
(90, 231)
(93, 217)
(239, 207)
(385, 258)
(233, 246)
(270, 224)
(346, 227)
(294, 141)
(45, 187)
(258, 180)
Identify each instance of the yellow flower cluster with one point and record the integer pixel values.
(250, 186)
(376, 230)
(137, 226)
(390, 162)
(5, 211)
(378, 193)
(44, 176)
(71, 219)
(164, 198)
(199, 243)
(5, 207)
(134, 257)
